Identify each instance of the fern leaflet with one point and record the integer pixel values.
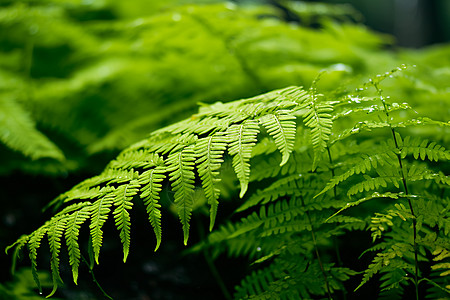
(181, 168)
(209, 152)
(122, 200)
(282, 128)
(153, 179)
(55, 232)
(242, 138)
(74, 222)
(100, 211)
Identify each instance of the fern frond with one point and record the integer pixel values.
(294, 94)
(374, 108)
(392, 283)
(55, 233)
(439, 255)
(34, 243)
(18, 132)
(134, 159)
(152, 185)
(91, 185)
(181, 167)
(99, 215)
(423, 149)
(18, 246)
(317, 117)
(242, 138)
(74, 222)
(383, 156)
(169, 143)
(292, 185)
(371, 183)
(388, 261)
(282, 128)
(375, 195)
(209, 152)
(240, 244)
(422, 172)
(358, 128)
(289, 278)
(122, 201)
(80, 194)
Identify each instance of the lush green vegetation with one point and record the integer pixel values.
(295, 182)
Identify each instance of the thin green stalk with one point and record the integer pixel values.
(405, 187)
(332, 171)
(316, 249)
(338, 255)
(91, 271)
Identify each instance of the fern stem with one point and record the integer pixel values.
(332, 171)
(405, 187)
(316, 249)
(91, 271)
(336, 247)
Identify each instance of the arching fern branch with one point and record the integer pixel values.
(185, 155)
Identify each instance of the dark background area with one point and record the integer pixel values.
(414, 23)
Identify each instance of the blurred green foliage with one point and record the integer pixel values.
(23, 286)
(88, 77)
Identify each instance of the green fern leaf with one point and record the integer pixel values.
(181, 168)
(153, 179)
(242, 138)
(392, 284)
(294, 94)
(169, 143)
(122, 200)
(82, 193)
(423, 149)
(55, 233)
(319, 120)
(74, 222)
(18, 245)
(34, 243)
(390, 260)
(383, 156)
(135, 159)
(18, 131)
(209, 152)
(100, 211)
(371, 183)
(375, 195)
(282, 128)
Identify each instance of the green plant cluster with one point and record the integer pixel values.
(314, 165)
(67, 69)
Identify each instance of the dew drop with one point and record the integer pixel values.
(176, 17)
(258, 249)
